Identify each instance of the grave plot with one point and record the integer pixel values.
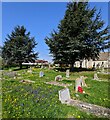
(64, 97)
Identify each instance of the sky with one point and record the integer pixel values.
(40, 19)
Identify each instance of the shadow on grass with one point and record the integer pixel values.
(74, 69)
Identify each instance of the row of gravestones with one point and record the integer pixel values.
(59, 77)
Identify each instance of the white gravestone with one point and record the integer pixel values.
(58, 78)
(78, 83)
(67, 73)
(83, 81)
(64, 95)
(41, 74)
(96, 77)
(30, 70)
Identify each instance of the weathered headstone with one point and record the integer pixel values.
(77, 84)
(49, 66)
(42, 67)
(58, 78)
(67, 73)
(102, 70)
(30, 70)
(41, 74)
(96, 77)
(83, 81)
(64, 95)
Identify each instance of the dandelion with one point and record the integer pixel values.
(78, 116)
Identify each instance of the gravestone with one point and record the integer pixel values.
(41, 74)
(83, 81)
(58, 78)
(42, 67)
(64, 95)
(49, 66)
(67, 73)
(102, 71)
(80, 82)
(77, 84)
(29, 70)
(96, 77)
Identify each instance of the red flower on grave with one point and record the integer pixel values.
(80, 89)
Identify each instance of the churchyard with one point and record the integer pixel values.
(34, 93)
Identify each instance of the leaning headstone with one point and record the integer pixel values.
(58, 78)
(67, 73)
(41, 74)
(96, 77)
(77, 84)
(64, 95)
(83, 81)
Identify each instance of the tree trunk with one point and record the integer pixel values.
(80, 64)
(72, 66)
(20, 65)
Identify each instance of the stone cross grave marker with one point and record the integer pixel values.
(67, 73)
(41, 74)
(64, 95)
(96, 77)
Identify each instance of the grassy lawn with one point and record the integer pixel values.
(39, 100)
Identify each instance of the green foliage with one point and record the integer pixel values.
(18, 47)
(80, 34)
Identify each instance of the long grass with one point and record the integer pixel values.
(39, 100)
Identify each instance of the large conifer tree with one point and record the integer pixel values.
(18, 47)
(80, 35)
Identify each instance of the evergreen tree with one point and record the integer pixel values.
(18, 47)
(80, 35)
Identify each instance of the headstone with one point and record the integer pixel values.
(83, 81)
(102, 70)
(77, 84)
(96, 77)
(64, 95)
(41, 74)
(58, 78)
(30, 70)
(67, 73)
(49, 66)
(42, 67)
